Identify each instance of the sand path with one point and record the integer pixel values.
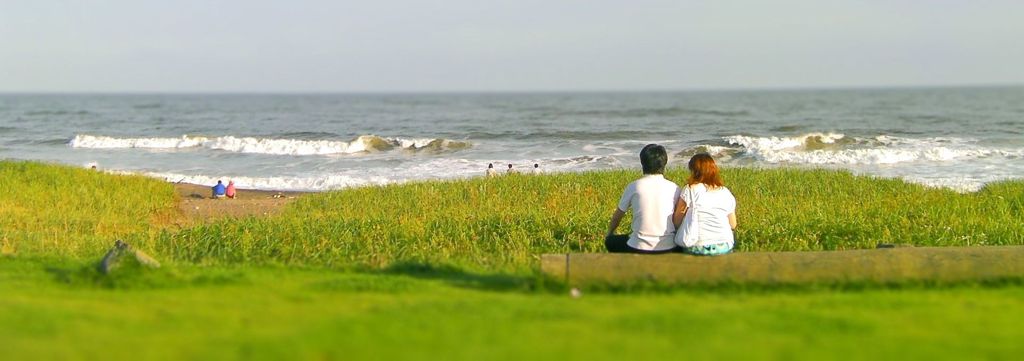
(197, 207)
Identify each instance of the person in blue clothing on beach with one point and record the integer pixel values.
(219, 190)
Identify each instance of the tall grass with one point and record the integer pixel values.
(69, 212)
(485, 222)
(499, 224)
(788, 209)
(503, 224)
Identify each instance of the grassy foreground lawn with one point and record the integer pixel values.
(270, 313)
(447, 270)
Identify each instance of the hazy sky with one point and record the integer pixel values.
(520, 45)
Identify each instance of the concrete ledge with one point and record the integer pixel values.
(890, 265)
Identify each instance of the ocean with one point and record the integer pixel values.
(957, 138)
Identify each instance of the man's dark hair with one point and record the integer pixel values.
(653, 158)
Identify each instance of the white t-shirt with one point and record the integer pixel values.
(653, 199)
(713, 209)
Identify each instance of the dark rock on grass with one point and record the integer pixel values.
(121, 252)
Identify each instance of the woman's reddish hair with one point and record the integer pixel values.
(703, 170)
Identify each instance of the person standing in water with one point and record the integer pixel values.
(491, 172)
(536, 169)
(510, 170)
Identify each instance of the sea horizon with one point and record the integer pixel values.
(954, 137)
(788, 88)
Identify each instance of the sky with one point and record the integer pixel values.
(519, 45)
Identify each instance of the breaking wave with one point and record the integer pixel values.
(361, 144)
(838, 149)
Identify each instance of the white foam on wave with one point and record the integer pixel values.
(435, 169)
(782, 143)
(361, 144)
(961, 185)
(960, 164)
(810, 149)
(104, 142)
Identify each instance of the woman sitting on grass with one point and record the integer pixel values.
(706, 212)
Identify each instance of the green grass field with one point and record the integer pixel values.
(448, 270)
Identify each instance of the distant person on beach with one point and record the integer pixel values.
(536, 169)
(491, 172)
(510, 170)
(218, 190)
(653, 200)
(706, 212)
(230, 191)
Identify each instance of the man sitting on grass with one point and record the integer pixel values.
(653, 199)
(218, 190)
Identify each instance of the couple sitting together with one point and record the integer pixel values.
(697, 219)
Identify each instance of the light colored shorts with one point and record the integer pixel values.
(712, 249)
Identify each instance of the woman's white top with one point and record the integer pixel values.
(707, 214)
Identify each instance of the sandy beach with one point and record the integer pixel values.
(197, 206)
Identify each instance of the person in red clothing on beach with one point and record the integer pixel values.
(230, 192)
